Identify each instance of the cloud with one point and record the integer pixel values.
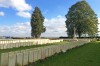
(19, 5)
(5, 3)
(17, 30)
(2, 13)
(55, 23)
(24, 14)
(55, 27)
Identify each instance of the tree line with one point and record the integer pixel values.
(80, 20)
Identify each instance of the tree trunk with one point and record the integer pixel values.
(79, 34)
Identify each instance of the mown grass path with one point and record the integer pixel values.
(87, 55)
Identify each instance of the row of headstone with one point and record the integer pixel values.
(12, 44)
(26, 40)
(25, 57)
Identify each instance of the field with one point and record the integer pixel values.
(87, 55)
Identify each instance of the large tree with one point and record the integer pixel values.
(81, 19)
(37, 26)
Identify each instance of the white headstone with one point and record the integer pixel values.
(31, 56)
(19, 59)
(12, 59)
(4, 59)
(25, 57)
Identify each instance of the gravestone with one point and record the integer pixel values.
(25, 57)
(50, 51)
(47, 52)
(19, 59)
(38, 53)
(4, 59)
(30, 56)
(43, 54)
(1, 46)
(12, 59)
(35, 54)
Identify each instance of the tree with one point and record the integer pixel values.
(81, 17)
(37, 26)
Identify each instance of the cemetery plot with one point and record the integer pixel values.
(33, 54)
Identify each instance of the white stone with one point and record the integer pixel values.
(4, 59)
(35, 54)
(12, 59)
(31, 56)
(25, 57)
(19, 59)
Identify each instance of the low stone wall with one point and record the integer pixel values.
(5, 44)
(24, 57)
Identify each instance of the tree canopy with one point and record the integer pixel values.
(81, 17)
(37, 26)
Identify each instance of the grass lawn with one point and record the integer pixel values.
(28, 47)
(87, 55)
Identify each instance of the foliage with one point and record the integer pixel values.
(37, 20)
(81, 17)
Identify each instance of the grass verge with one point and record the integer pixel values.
(87, 55)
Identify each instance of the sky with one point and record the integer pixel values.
(15, 16)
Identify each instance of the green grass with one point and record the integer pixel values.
(29, 47)
(87, 55)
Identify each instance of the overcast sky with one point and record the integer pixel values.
(15, 16)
